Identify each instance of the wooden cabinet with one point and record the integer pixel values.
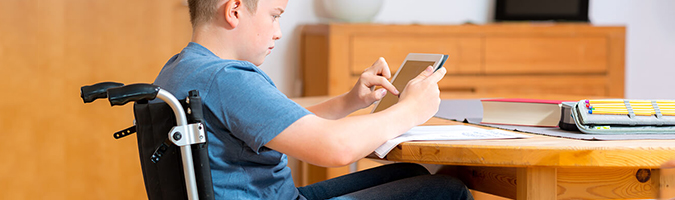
(489, 60)
(568, 59)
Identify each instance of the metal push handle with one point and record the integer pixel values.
(185, 150)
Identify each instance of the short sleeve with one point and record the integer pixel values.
(246, 101)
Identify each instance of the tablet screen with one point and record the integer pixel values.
(409, 71)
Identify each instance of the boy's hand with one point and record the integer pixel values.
(422, 94)
(378, 74)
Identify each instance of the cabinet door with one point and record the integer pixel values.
(464, 51)
(545, 54)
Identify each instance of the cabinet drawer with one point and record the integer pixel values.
(545, 55)
(584, 85)
(589, 90)
(464, 51)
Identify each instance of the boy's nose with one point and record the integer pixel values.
(277, 35)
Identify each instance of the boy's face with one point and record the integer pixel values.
(260, 30)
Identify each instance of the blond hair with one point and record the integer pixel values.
(202, 11)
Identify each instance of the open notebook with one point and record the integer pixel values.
(445, 132)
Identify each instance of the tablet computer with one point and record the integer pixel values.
(412, 66)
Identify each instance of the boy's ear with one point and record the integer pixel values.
(232, 12)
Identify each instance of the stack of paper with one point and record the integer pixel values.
(446, 132)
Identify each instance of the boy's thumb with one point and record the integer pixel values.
(426, 73)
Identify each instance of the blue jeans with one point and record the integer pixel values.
(394, 181)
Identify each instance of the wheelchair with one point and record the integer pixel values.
(162, 128)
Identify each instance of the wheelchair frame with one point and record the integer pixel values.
(182, 135)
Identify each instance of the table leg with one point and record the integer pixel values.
(666, 183)
(536, 183)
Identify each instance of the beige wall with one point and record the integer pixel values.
(53, 146)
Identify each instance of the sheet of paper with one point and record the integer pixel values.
(445, 132)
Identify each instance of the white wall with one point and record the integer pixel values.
(282, 65)
(650, 36)
(650, 43)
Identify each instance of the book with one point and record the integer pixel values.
(445, 132)
(526, 112)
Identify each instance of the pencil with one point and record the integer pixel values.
(622, 103)
(634, 108)
(630, 101)
(621, 109)
(619, 106)
(616, 101)
(624, 108)
(620, 112)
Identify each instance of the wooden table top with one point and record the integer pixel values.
(538, 150)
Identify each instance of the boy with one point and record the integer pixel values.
(252, 126)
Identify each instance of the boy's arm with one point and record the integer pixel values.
(361, 95)
(330, 143)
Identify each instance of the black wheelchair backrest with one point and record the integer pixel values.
(162, 161)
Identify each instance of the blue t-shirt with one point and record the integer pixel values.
(243, 111)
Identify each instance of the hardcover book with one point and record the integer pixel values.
(526, 112)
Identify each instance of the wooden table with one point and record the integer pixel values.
(549, 167)
(543, 167)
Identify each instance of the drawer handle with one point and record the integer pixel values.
(458, 89)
